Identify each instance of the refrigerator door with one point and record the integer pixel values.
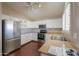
(17, 32)
(8, 29)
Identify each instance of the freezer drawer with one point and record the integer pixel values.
(11, 45)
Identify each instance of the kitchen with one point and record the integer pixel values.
(44, 26)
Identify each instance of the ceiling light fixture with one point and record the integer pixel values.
(33, 4)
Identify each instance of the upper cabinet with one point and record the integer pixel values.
(50, 23)
(23, 24)
(66, 17)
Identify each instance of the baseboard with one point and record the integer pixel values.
(26, 43)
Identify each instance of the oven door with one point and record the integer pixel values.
(41, 36)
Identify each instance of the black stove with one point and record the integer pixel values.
(41, 35)
(42, 32)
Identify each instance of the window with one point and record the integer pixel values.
(66, 18)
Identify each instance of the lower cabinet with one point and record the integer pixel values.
(28, 37)
(48, 37)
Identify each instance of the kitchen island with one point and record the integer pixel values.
(55, 43)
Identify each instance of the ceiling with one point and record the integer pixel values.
(48, 10)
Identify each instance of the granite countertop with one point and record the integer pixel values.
(57, 43)
(55, 32)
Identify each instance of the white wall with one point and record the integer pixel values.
(0, 33)
(50, 23)
(75, 22)
(73, 32)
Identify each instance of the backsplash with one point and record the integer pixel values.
(36, 30)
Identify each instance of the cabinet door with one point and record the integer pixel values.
(28, 37)
(48, 37)
(25, 38)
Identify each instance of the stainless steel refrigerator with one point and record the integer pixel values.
(11, 36)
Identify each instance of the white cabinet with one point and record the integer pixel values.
(50, 23)
(25, 24)
(48, 37)
(28, 37)
(24, 39)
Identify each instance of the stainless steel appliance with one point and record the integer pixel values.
(41, 34)
(11, 36)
